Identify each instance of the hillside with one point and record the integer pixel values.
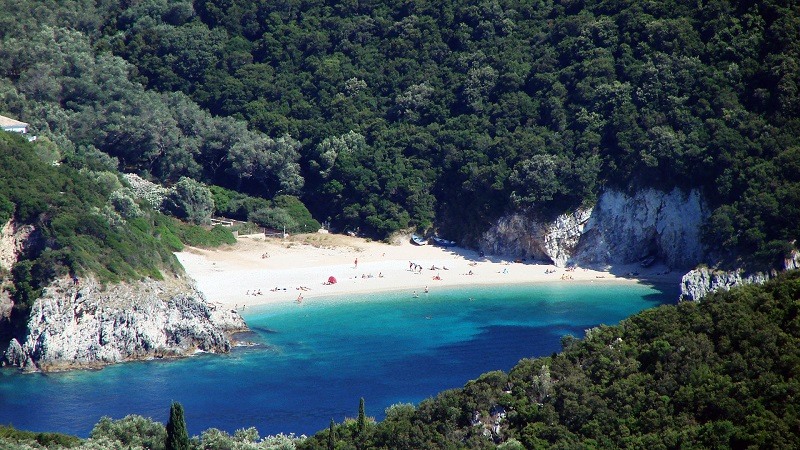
(722, 373)
(88, 276)
(383, 115)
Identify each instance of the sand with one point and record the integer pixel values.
(259, 270)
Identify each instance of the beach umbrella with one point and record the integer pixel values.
(332, 279)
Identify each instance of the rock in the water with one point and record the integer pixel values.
(86, 324)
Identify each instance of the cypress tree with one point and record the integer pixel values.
(177, 436)
(331, 437)
(361, 430)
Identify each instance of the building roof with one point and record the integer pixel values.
(9, 122)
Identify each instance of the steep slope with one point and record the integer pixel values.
(82, 324)
(88, 274)
(722, 373)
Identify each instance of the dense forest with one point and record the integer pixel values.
(723, 373)
(381, 116)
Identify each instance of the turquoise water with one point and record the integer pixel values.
(314, 361)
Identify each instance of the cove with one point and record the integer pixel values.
(313, 361)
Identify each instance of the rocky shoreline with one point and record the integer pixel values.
(645, 227)
(82, 324)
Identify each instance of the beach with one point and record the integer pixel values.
(260, 270)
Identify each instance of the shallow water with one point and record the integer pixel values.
(314, 361)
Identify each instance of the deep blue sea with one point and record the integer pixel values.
(314, 361)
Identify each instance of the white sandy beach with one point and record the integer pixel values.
(258, 270)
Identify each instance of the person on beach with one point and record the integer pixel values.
(299, 298)
(426, 289)
(355, 263)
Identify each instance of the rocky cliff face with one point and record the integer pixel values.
(520, 235)
(620, 229)
(651, 224)
(699, 282)
(86, 324)
(13, 238)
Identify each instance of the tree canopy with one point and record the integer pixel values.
(385, 115)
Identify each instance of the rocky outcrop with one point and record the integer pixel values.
(619, 229)
(702, 281)
(84, 324)
(520, 235)
(650, 224)
(13, 239)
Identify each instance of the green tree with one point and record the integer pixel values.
(361, 426)
(177, 436)
(191, 201)
(331, 437)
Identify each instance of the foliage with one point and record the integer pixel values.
(298, 212)
(236, 205)
(385, 115)
(177, 438)
(131, 431)
(191, 201)
(282, 210)
(9, 434)
(244, 439)
(86, 223)
(717, 374)
(81, 227)
(197, 236)
(274, 218)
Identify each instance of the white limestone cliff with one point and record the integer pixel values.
(650, 224)
(701, 281)
(86, 324)
(521, 236)
(619, 229)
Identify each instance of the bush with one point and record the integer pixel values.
(276, 218)
(305, 223)
(197, 236)
(131, 431)
(190, 200)
(235, 205)
(9, 433)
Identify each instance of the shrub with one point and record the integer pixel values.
(132, 430)
(190, 200)
(276, 218)
(10, 434)
(297, 210)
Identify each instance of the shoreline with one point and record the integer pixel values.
(260, 271)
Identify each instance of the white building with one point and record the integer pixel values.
(9, 124)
